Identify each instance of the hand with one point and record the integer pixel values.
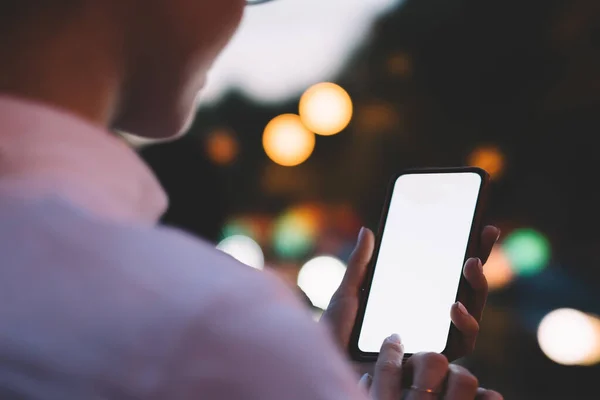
(425, 376)
(342, 310)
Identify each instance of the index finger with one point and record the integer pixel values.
(473, 272)
(489, 237)
(388, 370)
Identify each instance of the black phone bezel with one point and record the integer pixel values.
(472, 247)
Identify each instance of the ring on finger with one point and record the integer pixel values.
(432, 392)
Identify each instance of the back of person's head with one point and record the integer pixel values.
(143, 60)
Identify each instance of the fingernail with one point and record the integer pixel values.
(475, 261)
(462, 308)
(361, 234)
(395, 338)
(365, 382)
(499, 234)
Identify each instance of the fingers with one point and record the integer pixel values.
(466, 324)
(467, 319)
(429, 374)
(473, 272)
(358, 262)
(489, 237)
(388, 370)
(462, 385)
(483, 394)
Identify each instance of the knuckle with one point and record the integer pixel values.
(470, 330)
(467, 382)
(388, 366)
(434, 361)
(463, 379)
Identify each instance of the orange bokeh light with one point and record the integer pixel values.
(400, 64)
(497, 270)
(287, 141)
(489, 158)
(326, 109)
(222, 147)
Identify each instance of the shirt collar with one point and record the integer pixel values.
(45, 151)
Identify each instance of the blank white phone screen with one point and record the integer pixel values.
(420, 261)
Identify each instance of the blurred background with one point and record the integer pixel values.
(317, 103)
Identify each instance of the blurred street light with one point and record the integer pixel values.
(243, 249)
(489, 158)
(326, 109)
(570, 337)
(295, 232)
(222, 147)
(319, 278)
(287, 141)
(527, 250)
(497, 269)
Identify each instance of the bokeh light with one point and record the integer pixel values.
(376, 117)
(570, 337)
(319, 279)
(222, 147)
(400, 64)
(237, 227)
(295, 232)
(489, 158)
(527, 250)
(243, 249)
(287, 141)
(497, 269)
(345, 220)
(326, 109)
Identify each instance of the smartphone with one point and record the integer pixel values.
(431, 224)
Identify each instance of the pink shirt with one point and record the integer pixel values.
(98, 302)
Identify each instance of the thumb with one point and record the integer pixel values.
(358, 262)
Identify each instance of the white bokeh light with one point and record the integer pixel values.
(319, 279)
(286, 46)
(243, 249)
(570, 337)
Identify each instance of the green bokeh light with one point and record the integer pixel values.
(528, 251)
(234, 228)
(292, 239)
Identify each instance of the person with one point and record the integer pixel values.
(98, 300)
